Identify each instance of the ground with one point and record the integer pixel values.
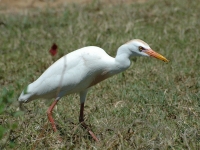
(12, 6)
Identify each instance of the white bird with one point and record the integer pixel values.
(81, 69)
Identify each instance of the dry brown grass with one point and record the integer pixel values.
(13, 6)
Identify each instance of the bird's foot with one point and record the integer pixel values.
(85, 126)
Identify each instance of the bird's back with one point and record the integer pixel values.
(72, 73)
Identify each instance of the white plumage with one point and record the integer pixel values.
(79, 70)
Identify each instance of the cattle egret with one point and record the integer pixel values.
(81, 69)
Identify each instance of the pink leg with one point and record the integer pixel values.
(49, 114)
(81, 120)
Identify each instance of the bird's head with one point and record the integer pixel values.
(140, 48)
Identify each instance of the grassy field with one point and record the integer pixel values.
(152, 105)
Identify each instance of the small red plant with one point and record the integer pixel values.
(53, 50)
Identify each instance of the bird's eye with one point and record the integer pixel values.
(141, 48)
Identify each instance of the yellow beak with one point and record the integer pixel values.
(152, 53)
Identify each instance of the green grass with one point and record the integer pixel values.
(152, 105)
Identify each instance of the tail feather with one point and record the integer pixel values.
(26, 95)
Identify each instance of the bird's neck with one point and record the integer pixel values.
(122, 58)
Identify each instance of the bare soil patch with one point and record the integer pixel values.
(13, 6)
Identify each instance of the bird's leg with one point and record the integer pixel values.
(81, 120)
(81, 117)
(49, 114)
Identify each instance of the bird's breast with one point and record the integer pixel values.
(99, 77)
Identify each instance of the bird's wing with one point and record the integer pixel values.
(71, 73)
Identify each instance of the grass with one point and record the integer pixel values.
(152, 105)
